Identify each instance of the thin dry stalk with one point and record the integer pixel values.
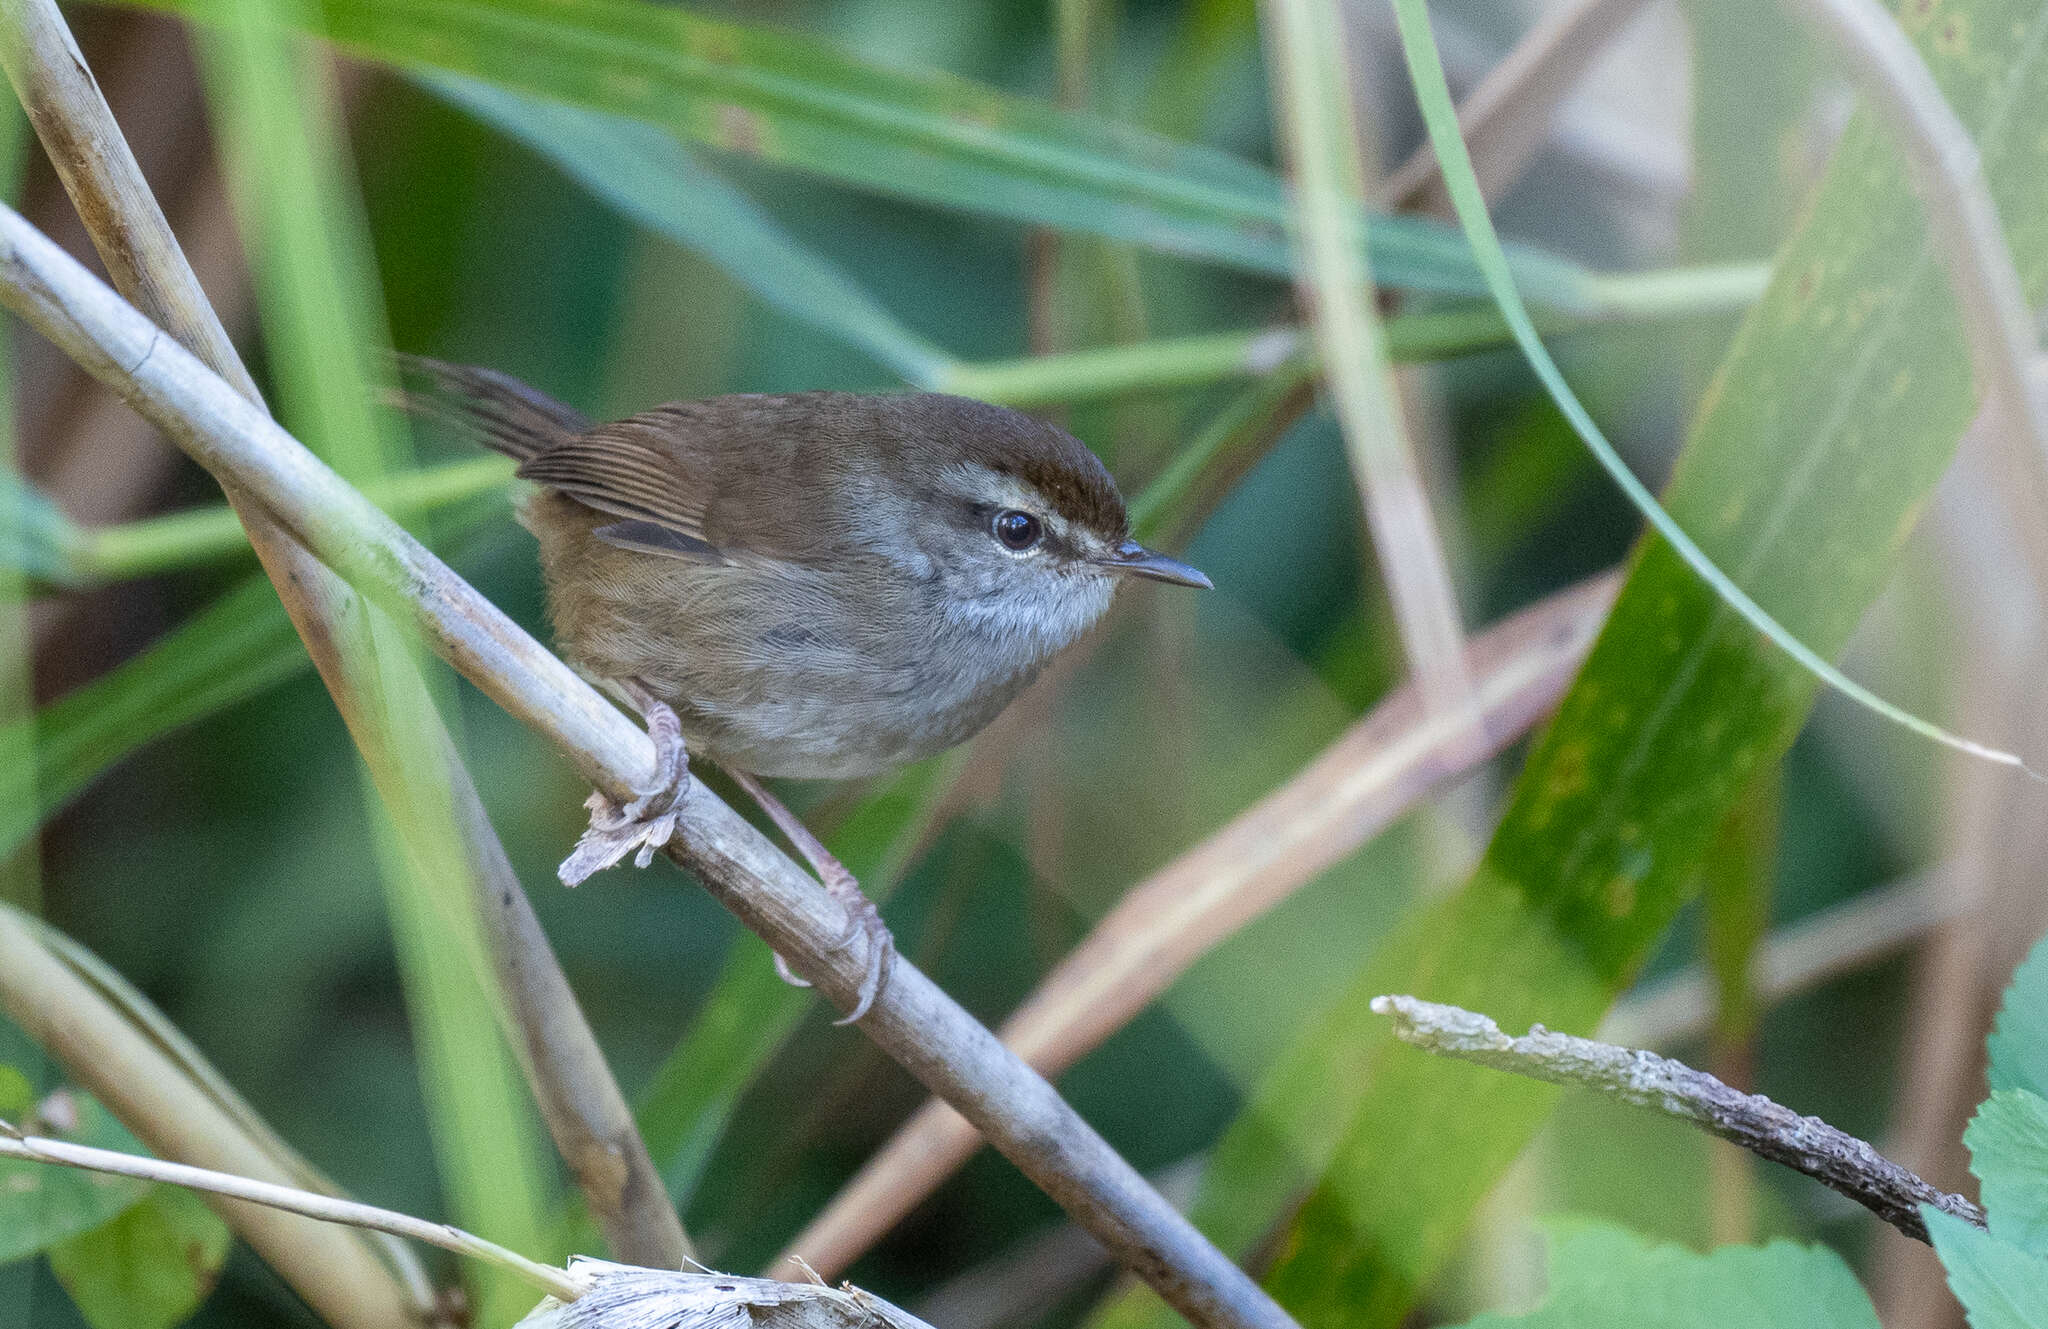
(1838, 1161)
(581, 1103)
(288, 1199)
(1507, 117)
(1375, 772)
(1962, 223)
(912, 1020)
(1311, 91)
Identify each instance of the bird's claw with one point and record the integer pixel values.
(641, 826)
(862, 919)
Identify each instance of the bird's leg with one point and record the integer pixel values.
(862, 918)
(645, 823)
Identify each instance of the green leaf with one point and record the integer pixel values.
(650, 177)
(1603, 1277)
(42, 1205)
(2008, 1140)
(797, 102)
(1838, 406)
(2019, 1038)
(2000, 1285)
(1441, 116)
(149, 1267)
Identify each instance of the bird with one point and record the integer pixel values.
(811, 585)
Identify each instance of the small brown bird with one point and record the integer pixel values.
(814, 586)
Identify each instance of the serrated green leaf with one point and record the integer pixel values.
(652, 178)
(2000, 1285)
(1603, 1277)
(147, 1268)
(2019, 1038)
(2008, 1140)
(42, 1205)
(794, 101)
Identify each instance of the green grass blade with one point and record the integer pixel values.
(28, 522)
(208, 534)
(1440, 115)
(33, 529)
(651, 177)
(793, 101)
(324, 322)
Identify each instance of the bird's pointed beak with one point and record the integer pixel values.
(1139, 561)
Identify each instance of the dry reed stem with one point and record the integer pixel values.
(1838, 1161)
(1377, 770)
(290, 1200)
(1312, 102)
(585, 1112)
(913, 1021)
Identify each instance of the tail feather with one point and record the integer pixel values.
(492, 409)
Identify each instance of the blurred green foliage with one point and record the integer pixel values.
(785, 236)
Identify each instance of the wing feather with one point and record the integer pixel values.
(630, 469)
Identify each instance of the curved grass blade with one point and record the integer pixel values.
(1440, 115)
(794, 101)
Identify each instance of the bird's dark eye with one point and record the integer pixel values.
(1017, 530)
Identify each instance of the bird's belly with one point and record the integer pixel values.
(812, 724)
(789, 687)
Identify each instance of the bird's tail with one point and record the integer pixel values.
(486, 407)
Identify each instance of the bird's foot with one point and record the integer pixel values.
(644, 824)
(862, 918)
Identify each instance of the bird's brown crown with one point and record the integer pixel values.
(1044, 456)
